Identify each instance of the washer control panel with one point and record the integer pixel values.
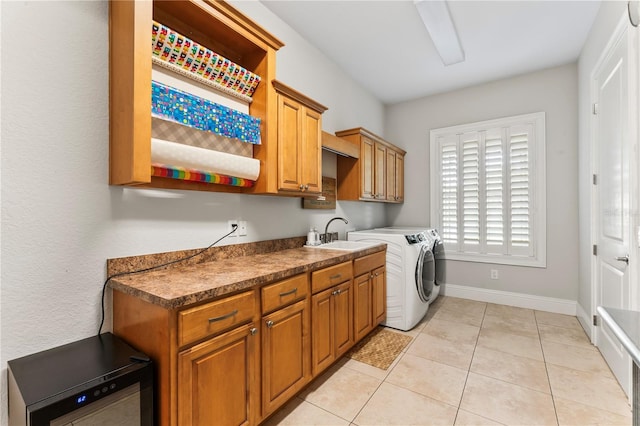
(416, 238)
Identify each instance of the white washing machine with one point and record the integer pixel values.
(410, 271)
(437, 250)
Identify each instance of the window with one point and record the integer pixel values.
(488, 190)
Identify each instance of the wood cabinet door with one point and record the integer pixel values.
(379, 296)
(380, 172)
(343, 318)
(311, 151)
(391, 175)
(399, 179)
(289, 136)
(367, 168)
(285, 354)
(217, 380)
(322, 336)
(362, 312)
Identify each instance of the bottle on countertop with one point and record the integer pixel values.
(311, 237)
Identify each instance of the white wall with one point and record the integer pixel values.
(608, 18)
(553, 91)
(60, 219)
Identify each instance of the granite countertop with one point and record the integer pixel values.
(626, 327)
(181, 286)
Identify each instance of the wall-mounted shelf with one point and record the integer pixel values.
(213, 24)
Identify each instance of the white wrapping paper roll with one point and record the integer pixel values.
(206, 160)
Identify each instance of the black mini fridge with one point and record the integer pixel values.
(96, 381)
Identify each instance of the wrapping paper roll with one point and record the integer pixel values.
(215, 162)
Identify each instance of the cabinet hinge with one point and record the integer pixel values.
(595, 249)
(595, 108)
(595, 179)
(595, 320)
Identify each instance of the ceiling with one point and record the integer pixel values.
(385, 46)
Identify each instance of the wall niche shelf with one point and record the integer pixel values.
(214, 24)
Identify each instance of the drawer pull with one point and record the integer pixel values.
(335, 277)
(286, 293)
(253, 331)
(336, 292)
(223, 317)
(269, 324)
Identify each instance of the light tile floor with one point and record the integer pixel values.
(472, 363)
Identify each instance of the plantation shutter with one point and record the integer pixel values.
(485, 183)
(449, 165)
(494, 185)
(471, 191)
(520, 191)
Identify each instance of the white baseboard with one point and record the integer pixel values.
(521, 300)
(585, 321)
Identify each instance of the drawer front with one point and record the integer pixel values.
(285, 292)
(206, 320)
(331, 276)
(368, 263)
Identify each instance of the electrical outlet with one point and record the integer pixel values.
(494, 274)
(230, 225)
(242, 228)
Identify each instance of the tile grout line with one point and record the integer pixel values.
(401, 355)
(466, 379)
(544, 359)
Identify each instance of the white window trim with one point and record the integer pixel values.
(538, 257)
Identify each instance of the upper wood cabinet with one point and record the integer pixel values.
(216, 25)
(299, 165)
(395, 176)
(378, 175)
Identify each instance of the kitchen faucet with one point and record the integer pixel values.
(326, 237)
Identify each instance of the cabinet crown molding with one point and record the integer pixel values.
(367, 133)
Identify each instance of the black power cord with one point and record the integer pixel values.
(151, 268)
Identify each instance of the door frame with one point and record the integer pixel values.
(623, 29)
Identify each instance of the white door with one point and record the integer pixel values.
(611, 160)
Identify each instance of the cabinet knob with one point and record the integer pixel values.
(253, 331)
(269, 324)
(306, 186)
(301, 187)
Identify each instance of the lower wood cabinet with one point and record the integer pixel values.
(332, 325)
(370, 293)
(379, 296)
(236, 359)
(285, 355)
(217, 380)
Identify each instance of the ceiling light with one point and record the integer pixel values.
(437, 19)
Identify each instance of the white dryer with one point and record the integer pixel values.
(410, 271)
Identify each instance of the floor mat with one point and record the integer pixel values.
(380, 348)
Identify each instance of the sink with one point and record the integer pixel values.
(345, 245)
